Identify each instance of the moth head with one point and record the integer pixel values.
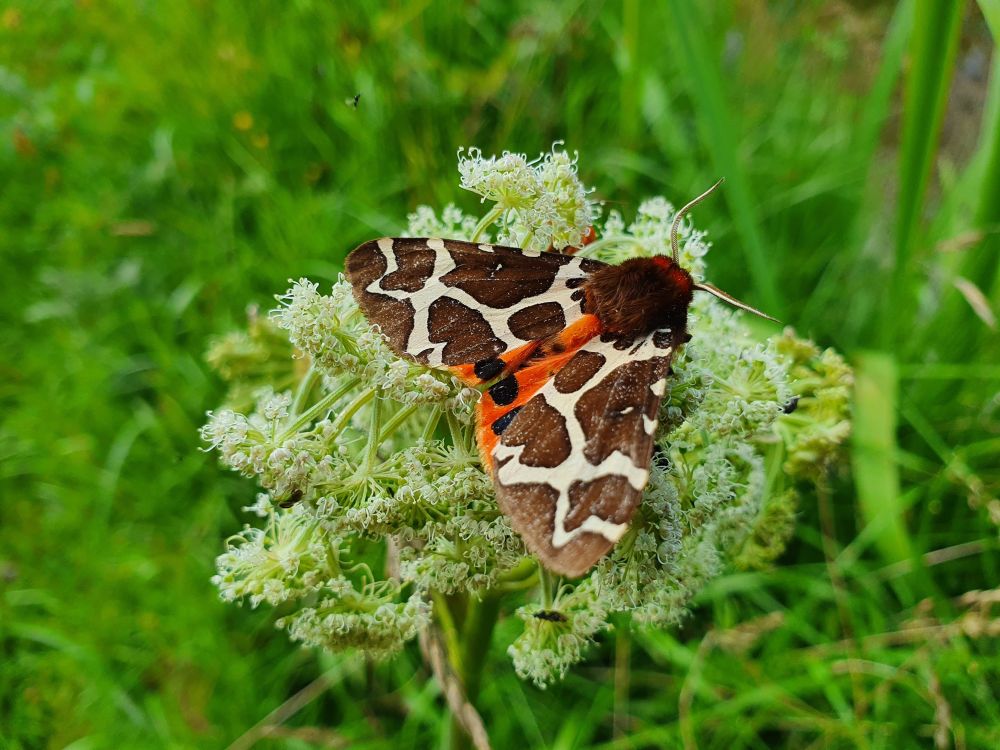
(705, 286)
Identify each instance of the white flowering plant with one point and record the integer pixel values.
(376, 522)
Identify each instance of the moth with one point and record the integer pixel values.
(573, 355)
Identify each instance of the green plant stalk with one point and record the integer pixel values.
(873, 452)
(397, 419)
(319, 407)
(310, 379)
(449, 630)
(371, 453)
(488, 219)
(981, 265)
(476, 637)
(933, 49)
(477, 633)
(956, 332)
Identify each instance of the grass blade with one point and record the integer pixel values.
(718, 126)
(933, 48)
(873, 452)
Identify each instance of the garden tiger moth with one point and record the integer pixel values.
(573, 354)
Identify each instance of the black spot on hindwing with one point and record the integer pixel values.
(501, 423)
(487, 369)
(504, 391)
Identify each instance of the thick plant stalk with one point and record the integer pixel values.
(981, 264)
(477, 632)
(933, 47)
(480, 621)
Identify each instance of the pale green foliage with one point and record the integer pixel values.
(377, 454)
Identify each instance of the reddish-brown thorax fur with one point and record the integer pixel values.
(640, 296)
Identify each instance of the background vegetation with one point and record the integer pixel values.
(165, 164)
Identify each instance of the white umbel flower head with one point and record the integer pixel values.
(509, 180)
(541, 203)
(368, 461)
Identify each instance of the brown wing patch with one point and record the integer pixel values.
(612, 413)
(578, 371)
(542, 431)
(537, 321)
(464, 332)
(415, 266)
(500, 295)
(504, 277)
(394, 317)
(610, 497)
(529, 507)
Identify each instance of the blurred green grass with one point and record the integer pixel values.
(165, 165)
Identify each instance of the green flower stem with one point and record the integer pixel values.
(350, 410)
(319, 407)
(480, 620)
(460, 435)
(397, 419)
(374, 441)
(523, 576)
(545, 578)
(519, 584)
(432, 423)
(492, 216)
(524, 569)
(876, 471)
(609, 241)
(449, 630)
(934, 42)
(305, 388)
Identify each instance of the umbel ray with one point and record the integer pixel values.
(575, 354)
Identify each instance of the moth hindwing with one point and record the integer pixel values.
(566, 423)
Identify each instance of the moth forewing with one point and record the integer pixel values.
(571, 467)
(464, 306)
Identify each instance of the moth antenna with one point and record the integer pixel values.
(680, 215)
(714, 290)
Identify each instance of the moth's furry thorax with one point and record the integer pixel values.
(640, 296)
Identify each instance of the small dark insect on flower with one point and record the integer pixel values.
(293, 497)
(550, 615)
(791, 405)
